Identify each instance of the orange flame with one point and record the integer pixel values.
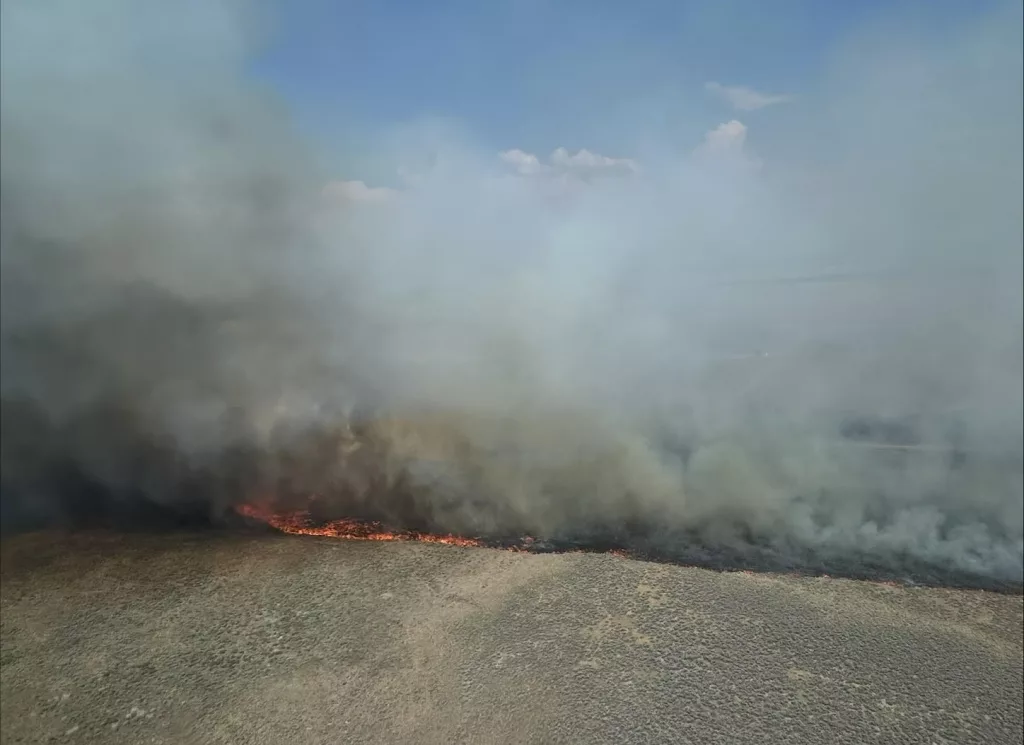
(299, 523)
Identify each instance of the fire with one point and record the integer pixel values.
(299, 523)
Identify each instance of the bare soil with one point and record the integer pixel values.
(213, 638)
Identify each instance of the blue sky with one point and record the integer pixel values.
(539, 74)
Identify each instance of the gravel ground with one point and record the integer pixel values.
(210, 638)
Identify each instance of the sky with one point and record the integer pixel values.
(538, 74)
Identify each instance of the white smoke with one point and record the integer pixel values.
(683, 340)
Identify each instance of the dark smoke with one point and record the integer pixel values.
(707, 354)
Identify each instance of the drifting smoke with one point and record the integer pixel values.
(823, 357)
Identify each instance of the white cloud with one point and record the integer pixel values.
(725, 145)
(357, 191)
(525, 163)
(728, 137)
(562, 174)
(742, 98)
(566, 166)
(586, 160)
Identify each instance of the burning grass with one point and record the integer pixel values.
(300, 522)
(683, 549)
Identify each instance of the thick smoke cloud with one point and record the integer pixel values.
(820, 352)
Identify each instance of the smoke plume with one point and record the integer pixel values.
(813, 347)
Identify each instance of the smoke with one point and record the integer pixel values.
(813, 347)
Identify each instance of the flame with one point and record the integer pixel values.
(298, 522)
(301, 522)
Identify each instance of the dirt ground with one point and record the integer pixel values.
(209, 638)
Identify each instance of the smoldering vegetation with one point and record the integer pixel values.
(716, 357)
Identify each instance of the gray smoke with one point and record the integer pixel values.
(818, 352)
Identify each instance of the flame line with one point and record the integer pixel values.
(299, 522)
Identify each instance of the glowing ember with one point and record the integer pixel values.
(300, 523)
